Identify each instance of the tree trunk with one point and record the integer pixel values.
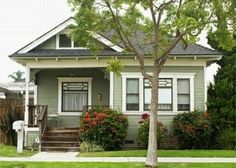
(151, 160)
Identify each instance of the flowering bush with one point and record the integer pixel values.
(193, 130)
(104, 127)
(143, 131)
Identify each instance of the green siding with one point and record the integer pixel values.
(49, 44)
(165, 119)
(48, 90)
(31, 137)
(198, 83)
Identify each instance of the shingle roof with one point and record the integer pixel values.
(193, 49)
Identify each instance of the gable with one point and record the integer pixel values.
(47, 40)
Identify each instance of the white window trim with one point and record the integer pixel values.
(66, 48)
(173, 76)
(69, 79)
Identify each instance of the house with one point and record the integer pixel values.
(15, 90)
(69, 77)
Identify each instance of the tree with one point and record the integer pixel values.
(155, 24)
(221, 103)
(17, 76)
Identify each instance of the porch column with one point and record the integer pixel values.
(111, 88)
(27, 80)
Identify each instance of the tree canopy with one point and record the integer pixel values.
(153, 27)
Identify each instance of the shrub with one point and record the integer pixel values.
(192, 129)
(104, 127)
(143, 131)
(227, 138)
(90, 147)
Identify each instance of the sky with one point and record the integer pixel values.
(22, 21)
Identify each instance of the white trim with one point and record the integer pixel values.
(174, 92)
(70, 113)
(60, 28)
(107, 42)
(35, 94)
(70, 79)
(66, 48)
(173, 76)
(27, 80)
(111, 89)
(47, 36)
(205, 89)
(32, 129)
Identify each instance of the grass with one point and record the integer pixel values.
(10, 151)
(163, 153)
(110, 165)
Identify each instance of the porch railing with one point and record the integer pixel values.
(42, 124)
(35, 112)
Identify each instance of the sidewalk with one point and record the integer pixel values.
(71, 157)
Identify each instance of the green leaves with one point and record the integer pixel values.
(115, 66)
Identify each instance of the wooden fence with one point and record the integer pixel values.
(6, 105)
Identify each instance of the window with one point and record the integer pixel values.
(64, 41)
(176, 93)
(183, 94)
(132, 94)
(165, 94)
(74, 96)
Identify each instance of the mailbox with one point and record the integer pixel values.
(18, 125)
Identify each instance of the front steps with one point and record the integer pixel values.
(60, 139)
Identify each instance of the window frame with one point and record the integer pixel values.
(188, 94)
(173, 76)
(61, 80)
(137, 94)
(66, 48)
(171, 87)
(62, 92)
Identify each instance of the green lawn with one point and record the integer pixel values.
(163, 153)
(110, 165)
(10, 151)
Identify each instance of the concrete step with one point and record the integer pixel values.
(64, 149)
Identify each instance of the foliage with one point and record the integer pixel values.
(221, 104)
(104, 127)
(143, 131)
(11, 114)
(228, 138)
(90, 147)
(114, 66)
(17, 76)
(152, 28)
(192, 129)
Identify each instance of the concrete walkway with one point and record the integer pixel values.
(71, 157)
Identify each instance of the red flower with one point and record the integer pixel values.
(144, 116)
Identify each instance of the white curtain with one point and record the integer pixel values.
(74, 100)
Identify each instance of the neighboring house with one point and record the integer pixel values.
(15, 90)
(69, 77)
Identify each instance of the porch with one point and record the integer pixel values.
(53, 138)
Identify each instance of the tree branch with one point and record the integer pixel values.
(125, 39)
